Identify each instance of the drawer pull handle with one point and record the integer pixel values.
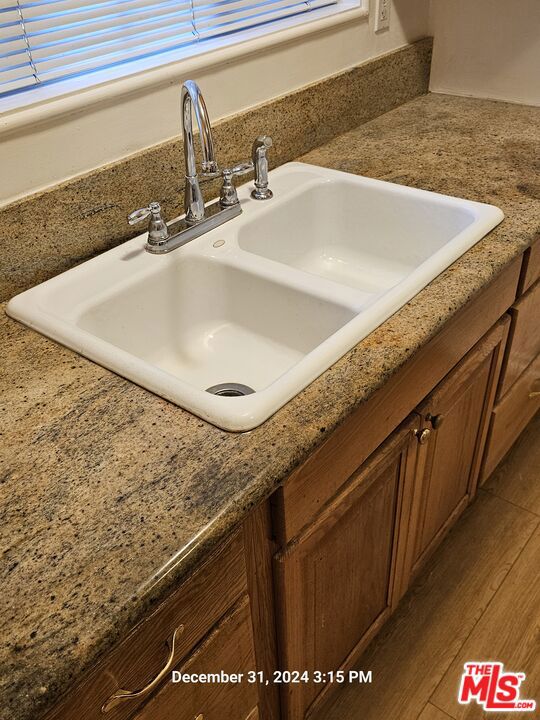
(120, 695)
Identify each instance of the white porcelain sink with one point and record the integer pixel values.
(210, 322)
(269, 300)
(367, 235)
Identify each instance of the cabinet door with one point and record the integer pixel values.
(510, 416)
(339, 579)
(452, 438)
(523, 341)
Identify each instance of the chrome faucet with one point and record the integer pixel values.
(192, 99)
(200, 218)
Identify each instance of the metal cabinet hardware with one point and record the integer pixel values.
(423, 435)
(121, 695)
(435, 420)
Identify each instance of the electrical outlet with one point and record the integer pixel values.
(382, 15)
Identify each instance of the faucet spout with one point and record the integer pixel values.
(193, 102)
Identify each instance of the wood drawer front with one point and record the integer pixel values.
(531, 266)
(524, 343)
(316, 481)
(193, 609)
(229, 648)
(511, 415)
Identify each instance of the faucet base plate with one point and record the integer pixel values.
(180, 232)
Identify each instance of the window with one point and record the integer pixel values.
(46, 41)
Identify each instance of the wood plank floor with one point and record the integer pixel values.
(478, 599)
(430, 712)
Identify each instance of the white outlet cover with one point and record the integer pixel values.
(382, 15)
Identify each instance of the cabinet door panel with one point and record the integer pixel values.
(511, 415)
(524, 340)
(336, 581)
(531, 266)
(455, 419)
(450, 454)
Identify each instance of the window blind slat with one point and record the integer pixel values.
(118, 48)
(17, 70)
(18, 84)
(50, 40)
(129, 50)
(63, 40)
(12, 47)
(211, 21)
(119, 12)
(14, 74)
(237, 16)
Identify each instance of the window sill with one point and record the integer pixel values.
(73, 95)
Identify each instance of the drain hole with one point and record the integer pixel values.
(230, 390)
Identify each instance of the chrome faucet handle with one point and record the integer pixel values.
(228, 195)
(260, 163)
(158, 232)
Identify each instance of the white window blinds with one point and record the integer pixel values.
(50, 40)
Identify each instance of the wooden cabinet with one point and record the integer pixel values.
(453, 428)
(228, 650)
(519, 387)
(524, 339)
(338, 581)
(531, 266)
(511, 415)
(316, 571)
(329, 466)
(137, 667)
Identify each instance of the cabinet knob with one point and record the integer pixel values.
(435, 420)
(423, 435)
(121, 695)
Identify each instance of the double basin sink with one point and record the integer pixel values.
(235, 323)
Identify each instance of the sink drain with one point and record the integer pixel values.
(230, 390)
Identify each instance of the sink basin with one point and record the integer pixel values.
(234, 324)
(370, 239)
(211, 323)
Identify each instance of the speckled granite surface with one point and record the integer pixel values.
(109, 495)
(48, 233)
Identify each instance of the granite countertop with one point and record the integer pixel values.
(110, 495)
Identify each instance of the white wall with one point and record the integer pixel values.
(487, 48)
(40, 155)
